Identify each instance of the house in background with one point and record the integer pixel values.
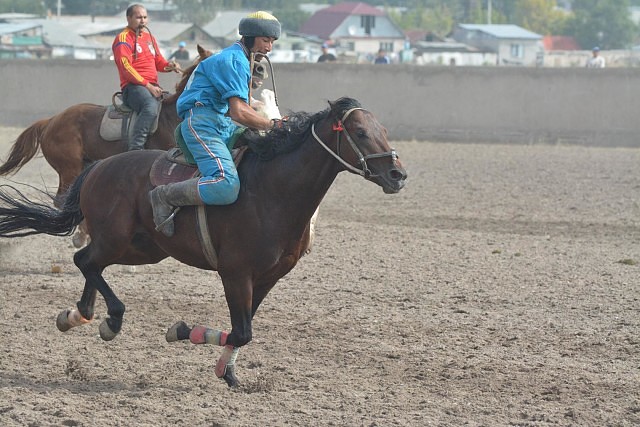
(512, 44)
(356, 29)
(23, 39)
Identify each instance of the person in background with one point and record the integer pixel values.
(138, 60)
(382, 58)
(326, 55)
(596, 61)
(182, 54)
(216, 96)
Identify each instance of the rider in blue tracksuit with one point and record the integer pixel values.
(217, 92)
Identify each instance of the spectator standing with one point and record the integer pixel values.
(382, 58)
(326, 55)
(596, 61)
(182, 54)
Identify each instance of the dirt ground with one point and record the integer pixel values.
(500, 288)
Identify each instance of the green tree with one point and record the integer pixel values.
(604, 23)
(22, 6)
(539, 16)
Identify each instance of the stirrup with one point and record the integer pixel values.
(168, 220)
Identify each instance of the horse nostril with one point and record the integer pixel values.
(397, 174)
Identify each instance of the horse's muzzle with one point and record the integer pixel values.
(393, 181)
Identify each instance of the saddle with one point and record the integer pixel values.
(118, 119)
(174, 166)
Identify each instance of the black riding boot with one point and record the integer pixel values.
(165, 198)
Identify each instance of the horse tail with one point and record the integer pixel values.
(25, 147)
(21, 217)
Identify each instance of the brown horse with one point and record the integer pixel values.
(258, 239)
(71, 139)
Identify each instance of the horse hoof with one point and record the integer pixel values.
(230, 376)
(79, 240)
(105, 331)
(178, 332)
(62, 321)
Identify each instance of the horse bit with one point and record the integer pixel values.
(362, 159)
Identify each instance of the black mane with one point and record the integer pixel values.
(298, 129)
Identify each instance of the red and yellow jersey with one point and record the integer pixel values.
(141, 68)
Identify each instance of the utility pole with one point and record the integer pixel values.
(489, 12)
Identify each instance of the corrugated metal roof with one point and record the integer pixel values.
(14, 27)
(502, 31)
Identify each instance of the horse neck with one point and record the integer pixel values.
(301, 178)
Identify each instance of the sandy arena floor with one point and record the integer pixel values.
(500, 288)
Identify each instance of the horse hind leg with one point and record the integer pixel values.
(81, 315)
(110, 326)
(81, 236)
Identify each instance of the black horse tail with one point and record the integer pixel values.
(21, 217)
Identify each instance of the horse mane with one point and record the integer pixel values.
(297, 129)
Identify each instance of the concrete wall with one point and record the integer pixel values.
(459, 104)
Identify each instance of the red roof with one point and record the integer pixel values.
(325, 21)
(560, 43)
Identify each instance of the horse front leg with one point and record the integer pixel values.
(239, 300)
(199, 334)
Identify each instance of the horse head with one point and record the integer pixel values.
(359, 143)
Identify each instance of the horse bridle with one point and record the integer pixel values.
(362, 159)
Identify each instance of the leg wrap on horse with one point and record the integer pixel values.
(70, 319)
(165, 198)
(228, 358)
(203, 335)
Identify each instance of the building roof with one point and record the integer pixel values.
(502, 31)
(446, 46)
(16, 27)
(324, 22)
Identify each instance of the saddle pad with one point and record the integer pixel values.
(168, 169)
(111, 124)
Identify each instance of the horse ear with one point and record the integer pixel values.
(202, 52)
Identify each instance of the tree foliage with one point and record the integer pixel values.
(22, 6)
(603, 23)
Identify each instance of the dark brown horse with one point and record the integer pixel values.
(258, 239)
(71, 139)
